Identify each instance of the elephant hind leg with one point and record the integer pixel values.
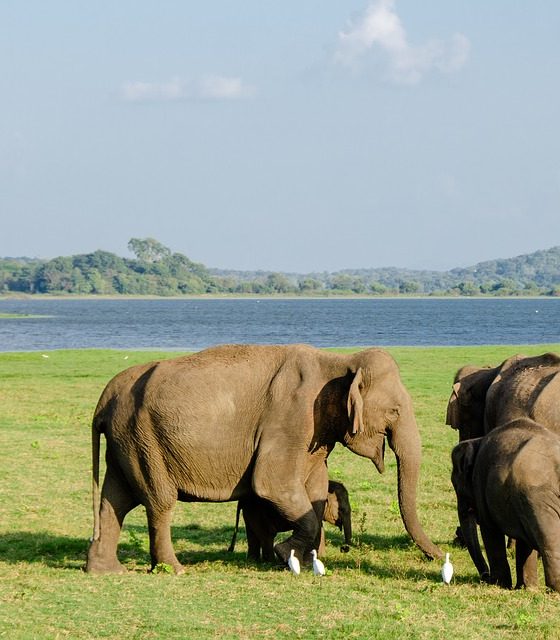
(116, 501)
(253, 541)
(551, 562)
(526, 565)
(495, 545)
(161, 547)
(548, 538)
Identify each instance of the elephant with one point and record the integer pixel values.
(486, 397)
(238, 420)
(508, 481)
(263, 522)
(521, 386)
(338, 511)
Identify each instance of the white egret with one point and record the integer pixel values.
(447, 570)
(318, 566)
(293, 563)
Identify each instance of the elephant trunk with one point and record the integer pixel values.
(469, 530)
(407, 449)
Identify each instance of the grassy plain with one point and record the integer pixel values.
(382, 588)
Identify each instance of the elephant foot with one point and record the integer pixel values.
(101, 560)
(283, 549)
(101, 566)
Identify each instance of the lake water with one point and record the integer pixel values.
(192, 324)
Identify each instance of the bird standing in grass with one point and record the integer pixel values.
(318, 566)
(293, 563)
(447, 570)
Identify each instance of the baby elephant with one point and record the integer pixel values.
(263, 522)
(509, 481)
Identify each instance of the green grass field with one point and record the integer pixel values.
(382, 588)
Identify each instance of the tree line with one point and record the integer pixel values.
(156, 270)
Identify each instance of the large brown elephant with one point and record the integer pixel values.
(238, 420)
(509, 482)
(263, 522)
(522, 386)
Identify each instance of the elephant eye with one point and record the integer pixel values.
(391, 416)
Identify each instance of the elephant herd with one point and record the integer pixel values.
(506, 467)
(256, 424)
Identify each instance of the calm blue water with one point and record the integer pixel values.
(195, 324)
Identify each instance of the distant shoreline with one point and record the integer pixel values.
(253, 296)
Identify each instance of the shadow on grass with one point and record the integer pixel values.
(68, 552)
(43, 547)
(210, 545)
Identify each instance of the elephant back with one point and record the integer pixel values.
(529, 387)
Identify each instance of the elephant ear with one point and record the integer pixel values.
(356, 403)
(450, 418)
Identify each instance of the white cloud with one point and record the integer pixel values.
(222, 88)
(380, 29)
(207, 88)
(153, 92)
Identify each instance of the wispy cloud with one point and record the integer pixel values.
(222, 88)
(206, 88)
(379, 29)
(152, 91)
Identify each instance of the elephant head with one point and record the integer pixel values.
(338, 510)
(463, 458)
(378, 407)
(466, 406)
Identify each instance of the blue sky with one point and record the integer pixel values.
(295, 136)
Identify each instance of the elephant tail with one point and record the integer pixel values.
(234, 537)
(95, 449)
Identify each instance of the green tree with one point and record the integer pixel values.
(377, 288)
(55, 275)
(308, 285)
(148, 249)
(409, 286)
(468, 288)
(279, 283)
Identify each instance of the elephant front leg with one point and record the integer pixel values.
(161, 548)
(289, 498)
(303, 539)
(308, 531)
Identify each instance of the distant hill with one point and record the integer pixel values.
(541, 268)
(157, 271)
(537, 273)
